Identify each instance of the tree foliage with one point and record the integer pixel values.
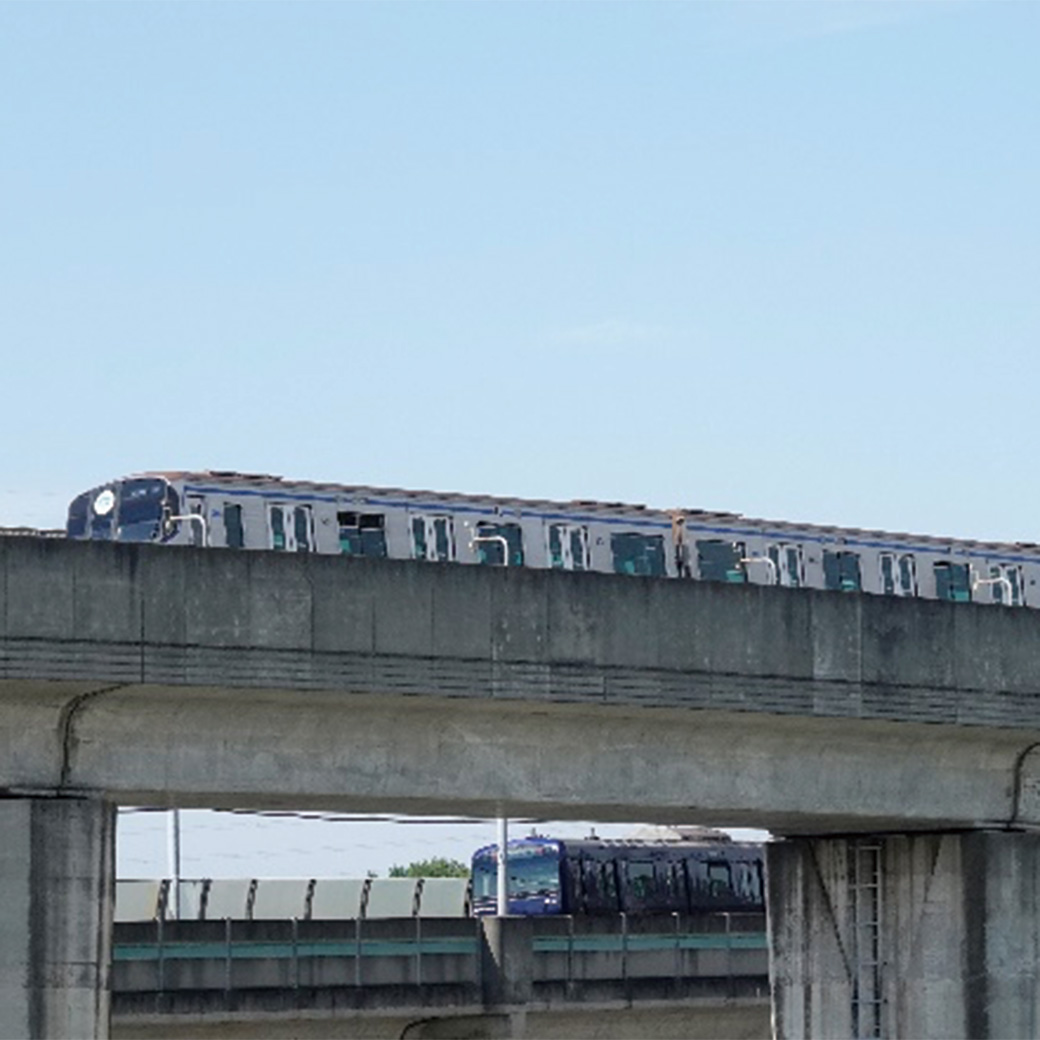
(438, 866)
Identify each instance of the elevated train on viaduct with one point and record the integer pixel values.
(253, 511)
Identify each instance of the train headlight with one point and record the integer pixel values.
(105, 502)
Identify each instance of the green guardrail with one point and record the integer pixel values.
(216, 950)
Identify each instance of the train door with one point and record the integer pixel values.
(291, 528)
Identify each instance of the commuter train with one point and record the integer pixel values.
(599, 876)
(252, 511)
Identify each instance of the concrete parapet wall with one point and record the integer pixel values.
(425, 963)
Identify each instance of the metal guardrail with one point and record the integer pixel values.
(163, 957)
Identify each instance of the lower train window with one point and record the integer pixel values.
(492, 541)
(362, 534)
(721, 561)
(841, 571)
(433, 538)
(233, 532)
(568, 547)
(953, 582)
(641, 554)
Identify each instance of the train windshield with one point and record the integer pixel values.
(125, 510)
(534, 877)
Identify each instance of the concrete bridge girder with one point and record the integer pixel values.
(198, 746)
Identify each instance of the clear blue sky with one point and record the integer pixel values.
(778, 258)
(768, 257)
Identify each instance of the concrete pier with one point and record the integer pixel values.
(923, 935)
(56, 870)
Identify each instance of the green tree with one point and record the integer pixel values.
(439, 866)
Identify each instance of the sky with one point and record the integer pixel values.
(773, 258)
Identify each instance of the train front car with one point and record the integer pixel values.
(137, 509)
(534, 878)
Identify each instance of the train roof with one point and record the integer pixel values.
(738, 522)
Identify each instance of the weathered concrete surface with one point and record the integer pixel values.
(728, 1020)
(956, 940)
(56, 869)
(210, 677)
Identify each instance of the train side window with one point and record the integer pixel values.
(1007, 585)
(639, 554)
(234, 534)
(302, 528)
(608, 886)
(197, 507)
(719, 560)
(492, 541)
(568, 547)
(952, 582)
(898, 574)
(591, 895)
(787, 563)
(277, 529)
(362, 534)
(720, 883)
(748, 882)
(841, 571)
(433, 538)
(640, 880)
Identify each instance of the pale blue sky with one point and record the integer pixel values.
(778, 258)
(768, 257)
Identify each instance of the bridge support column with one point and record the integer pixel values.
(56, 883)
(923, 935)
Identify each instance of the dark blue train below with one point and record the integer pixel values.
(599, 876)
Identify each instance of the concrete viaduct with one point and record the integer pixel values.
(895, 743)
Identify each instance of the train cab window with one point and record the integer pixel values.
(841, 571)
(1005, 579)
(639, 554)
(76, 526)
(898, 574)
(362, 534)
(952, 582)
(492, 542)
(719, 560)
(787, 565)
(433, 538)
(234, 534)
(568, 547)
